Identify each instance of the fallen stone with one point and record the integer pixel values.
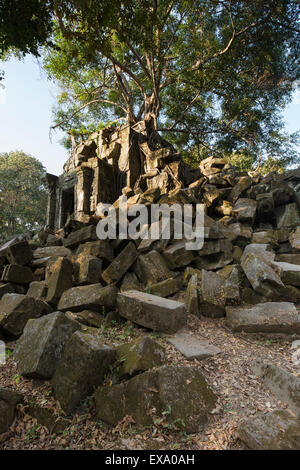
(165, 288)
(242, 185)
(283, 384)
(37, 290)
(269, 317)
(17, 309)
(88, 269)
(193, 347)
(17, 274)
(213, 262)
(232, 285)
(82, 235)
(59, 279)
(40, 348)
(85, 361)
(52, 252)
(6, 289)
(287, 215)
(289, 273)
(294, 239)
(191, 296)
(19, 253)
(87, 317)
(100, 248)
(177, 256)
(150, 311)
(8, 401)
(45, 417)
(138, 356)
(277, 430)
(292, 258)
(120, 264)
(189, 272)
(211, 295)
(250, 296)
(152, 268)
(177, 393)
(130, 282)
(245, 210)
(269, 237)
(92, 297)
(238, 233)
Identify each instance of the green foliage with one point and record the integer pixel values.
(23, 199)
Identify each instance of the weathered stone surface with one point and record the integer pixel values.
(243, 183)
(294, 239)
(83, 235)
(211, 295)
(269, 237)
(88, 269)
(17, 309)
(165, 288)
(192, 347)
(189, 272)
(213, 262)
(238, 233)
(182, 391)
(45, 417)
(289, 273)
(85, 361)
(283, 384)
(120, 264)
(100, 248)
(293, 258)
(245, 210)
(250, 296)
(37, 290)
(262, 277)
(177, 256)
(92, 297)
(17, 274)
(232, 285)
(269, 317)
(191, 296)
(6, 289)
(287, 215)
(40, 348)
(215, 246)
(130, 282)
(51, 252)
(59, 279)
(19, 253)
(138, 356)
(277, 430)
(8, 401)
(150, 311)
(152, 268)
(87, 317)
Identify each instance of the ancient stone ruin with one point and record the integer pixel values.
(60, 288)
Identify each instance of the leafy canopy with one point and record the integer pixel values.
(23, 199)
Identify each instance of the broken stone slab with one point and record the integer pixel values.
(277, 430)
(287, 215)
(59, 279)
(19, 253)
(8, 401)
(100, 248)
(292, 258)
(232, 285)
(191, 296)
(261, 276)
(37, 290)
(268, 237)
(283, 384)
(177, 393)
(211, 295)
(120, 264)
(238, 233)
(289, 273)
(213, 262)
(85, 234)
(193, 347)
(165, 288)
(215, 246)
(178, 256)
(51, 252)
(17, 274)
(245, 210)
(92, 297)
(189, 272)
(85, 361)
(88, 269)
(268, 317)
(130, 282)
(138, 356)
(241, 186)
(17, 309)
(152, 268)
(40, 348)
(6, 289)
(151, 311)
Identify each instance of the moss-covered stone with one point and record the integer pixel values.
(139, 356)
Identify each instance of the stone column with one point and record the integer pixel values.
(51, 187)
(83, 192)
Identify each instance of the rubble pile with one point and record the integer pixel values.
(66, 279)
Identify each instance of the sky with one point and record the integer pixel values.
(26, 114)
